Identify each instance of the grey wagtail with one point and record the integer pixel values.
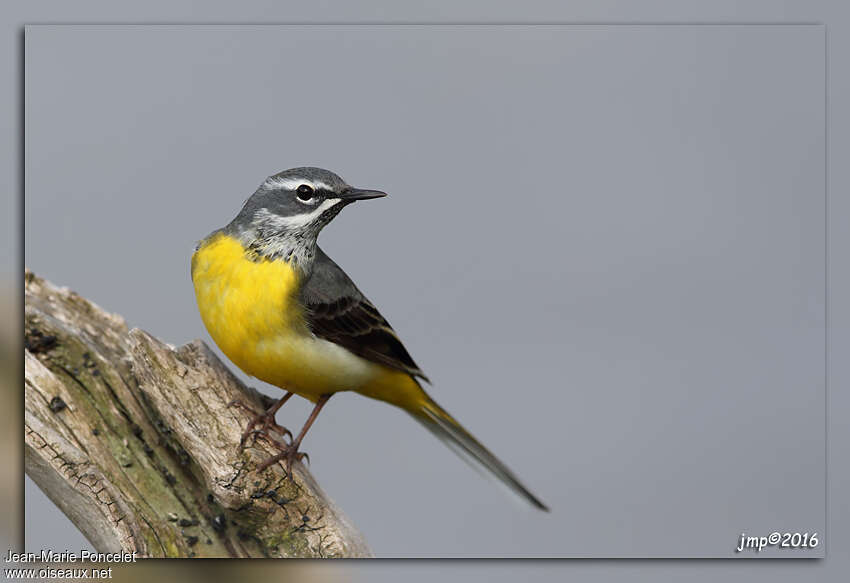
(285, 313)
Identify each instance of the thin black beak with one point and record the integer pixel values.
(352, 194)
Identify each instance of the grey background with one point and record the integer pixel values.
(604, 244)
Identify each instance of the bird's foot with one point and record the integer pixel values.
(261, 424)
(288, 454)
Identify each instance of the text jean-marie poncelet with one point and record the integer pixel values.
(84, 556)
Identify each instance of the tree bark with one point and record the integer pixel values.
(134, 441)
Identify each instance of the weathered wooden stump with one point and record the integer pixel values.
(135, 442)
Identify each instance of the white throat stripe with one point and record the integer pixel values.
(295, 221)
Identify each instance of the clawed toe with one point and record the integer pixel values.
(262, 423)
(289, 455)
(241, 404)
(267, 434)
(266, 427)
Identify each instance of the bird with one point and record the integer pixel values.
(285, 313)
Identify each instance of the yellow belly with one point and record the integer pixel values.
(251, 311)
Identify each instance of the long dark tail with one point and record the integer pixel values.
(450, 432)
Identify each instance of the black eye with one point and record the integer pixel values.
(305, 192)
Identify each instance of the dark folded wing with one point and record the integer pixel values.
(338, 312)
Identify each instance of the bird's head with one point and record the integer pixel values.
(293, 206)
(301, 200)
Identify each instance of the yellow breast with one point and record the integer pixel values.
(252, 312)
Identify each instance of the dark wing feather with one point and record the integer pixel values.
(339, 312)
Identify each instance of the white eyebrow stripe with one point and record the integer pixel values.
(295, 221)
(293, 183)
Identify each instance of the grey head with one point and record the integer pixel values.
(283, 218)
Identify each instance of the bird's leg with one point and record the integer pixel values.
(291, 453)
(265, 420)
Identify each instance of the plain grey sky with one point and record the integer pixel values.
(604, 244)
